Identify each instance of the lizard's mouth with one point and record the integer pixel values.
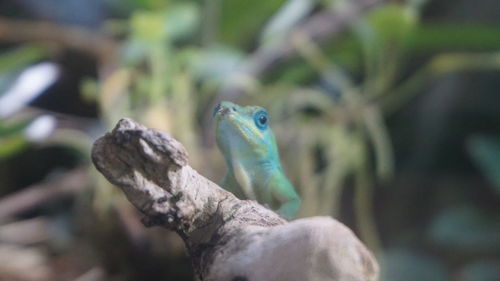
(223, 111)
(232, 121)
(216, 110)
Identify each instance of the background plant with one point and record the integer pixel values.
(385, 113)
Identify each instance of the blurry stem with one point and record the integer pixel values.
(381, 60)
(66, 185)
(379, 135)
(209, 26)
(11, 145)
(159, 75)
(75, 139)
(112, 99)
(371, 53)
(330, 198)
(398, 97)
(439, 65)
(380, 65)
(311, 52)
(308, 181)
(386, 72)
(185, 112)
(94, 274)
(102, 47)
(363, 208)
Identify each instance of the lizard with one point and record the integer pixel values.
(245, 139)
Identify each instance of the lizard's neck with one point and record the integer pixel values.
(259, 167)
(257, 171)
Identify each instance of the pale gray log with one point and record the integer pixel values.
(228, 239)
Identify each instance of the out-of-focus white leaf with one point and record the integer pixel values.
(30, 84)
(41, 128)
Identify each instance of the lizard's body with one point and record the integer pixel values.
(249, 148)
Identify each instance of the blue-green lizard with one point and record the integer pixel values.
(254, 170)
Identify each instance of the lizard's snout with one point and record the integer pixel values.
(224, 108)
(216, 109)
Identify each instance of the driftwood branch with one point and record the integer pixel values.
(227, 239)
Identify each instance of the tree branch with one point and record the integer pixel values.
(78, 38)
(227, 238)
(26, 199)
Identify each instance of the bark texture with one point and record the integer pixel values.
(227, 239)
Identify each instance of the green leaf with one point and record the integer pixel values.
(12, 61)
(215, 63)
(12, 139)
(485, 152)
(182, 20)
(240, 20)
(149, 4)
(453, 36)
(7, 130)
(148, 26)
(286, 18)
(484, 270)
(20, 57)
(466, 228)
(11, 145)
(407, 265)
(134, 52)
(391, 23)
(89, 90)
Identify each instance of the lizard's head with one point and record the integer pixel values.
(244, 131)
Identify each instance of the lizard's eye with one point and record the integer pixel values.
(261, 119)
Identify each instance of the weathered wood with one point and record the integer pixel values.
(228, 239)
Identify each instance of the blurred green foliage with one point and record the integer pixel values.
(410, 265)
(485, 152)
(12, 137)
(466, 228)
(239, 29)
(329, 103)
